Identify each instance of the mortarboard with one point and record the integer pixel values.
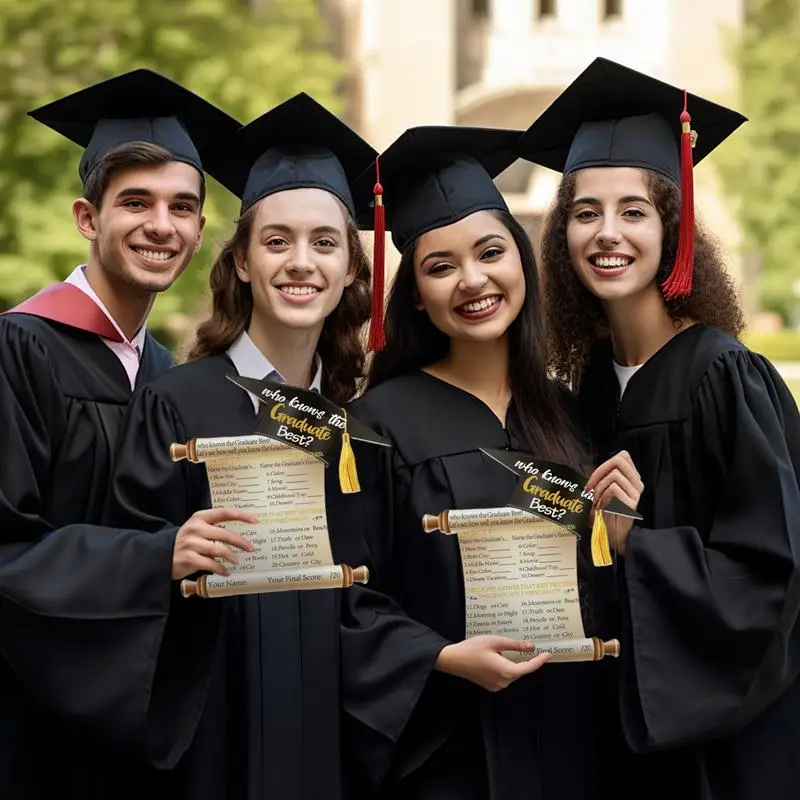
(614, 116)
(297, 144)
(432, 176)
(137, 106)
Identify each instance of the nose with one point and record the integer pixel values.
(608, 235)
(473, 277)
(300, 260)
(160, 224)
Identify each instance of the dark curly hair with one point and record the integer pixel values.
(413, 342)
(575, 317)
(341, 344)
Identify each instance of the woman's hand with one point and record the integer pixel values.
(479, 659)
(200, 542)
(617, 477)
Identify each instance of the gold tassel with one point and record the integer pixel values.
(601, 550)
(348, 477)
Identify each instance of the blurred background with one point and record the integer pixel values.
(387, 64)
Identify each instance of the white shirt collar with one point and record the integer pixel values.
(78, 278)
(250, 362)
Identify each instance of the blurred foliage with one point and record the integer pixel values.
(777, 346)
(761, 164)
(245, 57)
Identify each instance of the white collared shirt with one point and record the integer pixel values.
(129, 352)
(250, 362)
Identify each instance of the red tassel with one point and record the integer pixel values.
(377, 337)
(679, 283)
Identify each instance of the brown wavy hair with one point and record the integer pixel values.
(575, 317)
(413, 342)
(341, 343)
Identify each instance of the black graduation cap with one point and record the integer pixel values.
(611, 115)
(614, 116)
(137, 106)
(298, 144)
(435, 175)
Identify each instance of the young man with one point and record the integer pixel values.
(80, 624)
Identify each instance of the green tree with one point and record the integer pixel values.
(760, 167)
(245, 57)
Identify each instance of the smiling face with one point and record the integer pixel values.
(614, 233)
(148, 226)
(469, 278)
(297, 260)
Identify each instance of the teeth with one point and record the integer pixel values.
(154, 255)
(299, 289)
(616, 261)
(480, 305)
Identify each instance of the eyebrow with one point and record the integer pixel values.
(321, 229)
(448, 253)
(135, 192)
(630, 198)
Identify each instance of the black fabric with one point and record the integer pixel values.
(414, 732)
(297, 144)
(257, 676)
(614, 116)
(709, 587)
(137, 106)
(433, 176)
(82, 607)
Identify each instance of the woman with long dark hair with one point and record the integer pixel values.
(433, 714)
(290, 296)
(643, 320)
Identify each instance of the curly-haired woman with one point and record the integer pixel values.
(644, 320)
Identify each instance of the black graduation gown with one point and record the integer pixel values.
(414, 731)
(76, 613)
(258, 675)
(709, 586)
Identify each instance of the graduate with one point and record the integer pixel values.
(644, 320)
(290, 293)
(428, 713)
(74, 617)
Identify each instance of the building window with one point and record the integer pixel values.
(480, 8)
(547, 8)
(612, 9)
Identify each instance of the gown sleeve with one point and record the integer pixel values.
(151, 493)
(387, 656)
(82, 607)
(713, 616)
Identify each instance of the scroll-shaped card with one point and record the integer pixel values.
(282, 484)
(555, 492)
(520, 561)
(521, 581)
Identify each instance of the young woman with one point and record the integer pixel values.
(709, 584)
(258, 679)
(432, 714)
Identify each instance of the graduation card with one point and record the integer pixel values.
(278, 476)
(520, 561)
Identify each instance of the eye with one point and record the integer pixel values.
(491, 253)
(586, 214)
(133, 204)
(183, 208)
(439, 269)
(326, 243)
(633, 212)
(276, 241)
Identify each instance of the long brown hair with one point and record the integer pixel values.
(575, 317)
(340, 346)
(413, 342)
